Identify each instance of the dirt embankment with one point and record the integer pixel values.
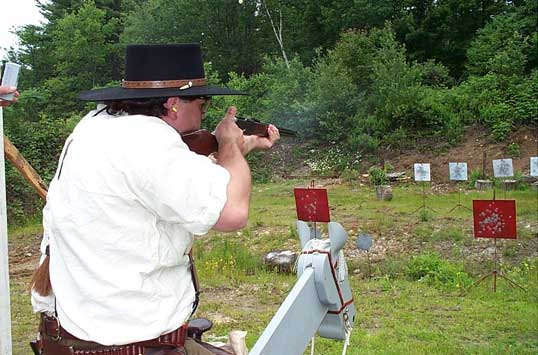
(476, 148)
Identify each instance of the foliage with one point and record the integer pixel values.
(432, 269)
(228, 260)
(513, 150)
(350, 175)
(34, 140)
(276, 95)
(356, 84)
(502, 101)
(521, 183)
(376, 175)
(474, 175)
(260, 170)
(230, 45)
(507, 45)
(331, 160)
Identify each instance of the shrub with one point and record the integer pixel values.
(520, 180)
(476, 174)
(430, 268)
(332, 160)
(377, 176)
(227, 259)
(350, 175)
(513, 150)
(260, 170)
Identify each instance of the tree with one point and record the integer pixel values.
(81, 54)
(443, 30)
(233, 36)
(508, 44)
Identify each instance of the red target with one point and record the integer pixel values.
(312, 204)
(494, 219)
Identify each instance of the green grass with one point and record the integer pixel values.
(397, 313)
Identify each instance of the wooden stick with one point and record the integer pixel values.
(26, 170)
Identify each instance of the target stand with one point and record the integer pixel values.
(312, 205)
(495, 219)
(457, 171)
(459, 204)
(423, 207)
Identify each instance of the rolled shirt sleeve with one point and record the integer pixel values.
(186, 188)
(178, 185)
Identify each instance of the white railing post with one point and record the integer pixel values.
(5, 309)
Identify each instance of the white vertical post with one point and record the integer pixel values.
(5, 309)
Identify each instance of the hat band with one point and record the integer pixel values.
(159, 84)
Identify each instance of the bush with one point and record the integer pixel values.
(277, 95)
(332, 160)
(377, 176)
(430, 268)
(227, 259)
(513, 150)
(476, 174)
(260, 170)
(350, 175)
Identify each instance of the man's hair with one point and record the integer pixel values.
(149, 107)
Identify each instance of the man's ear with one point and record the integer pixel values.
(170, 102)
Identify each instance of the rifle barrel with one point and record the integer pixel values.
(284, 132)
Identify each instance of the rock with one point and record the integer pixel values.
(508, 184)
(395, 176)
(283, 260)
(489, 252)
(383, 192)
(482, 184)
(529, 179)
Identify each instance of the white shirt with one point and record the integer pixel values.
(120, 217)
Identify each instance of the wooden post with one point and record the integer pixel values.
(5, 305)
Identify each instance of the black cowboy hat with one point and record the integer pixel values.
(162, 70)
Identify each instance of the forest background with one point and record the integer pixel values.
(357, 77)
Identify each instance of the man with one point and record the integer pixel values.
(8, 90)
(125, 202)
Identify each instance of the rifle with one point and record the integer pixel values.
(204, 142)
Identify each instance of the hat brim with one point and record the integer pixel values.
(119, 93)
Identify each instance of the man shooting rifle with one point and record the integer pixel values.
(125, 204)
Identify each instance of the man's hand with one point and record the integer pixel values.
(261, 143)
(8, 90)
(227, 132)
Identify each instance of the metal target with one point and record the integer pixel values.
(364, 241)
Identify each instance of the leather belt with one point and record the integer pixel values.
(51, 328)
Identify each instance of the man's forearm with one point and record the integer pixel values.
(234, 215)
